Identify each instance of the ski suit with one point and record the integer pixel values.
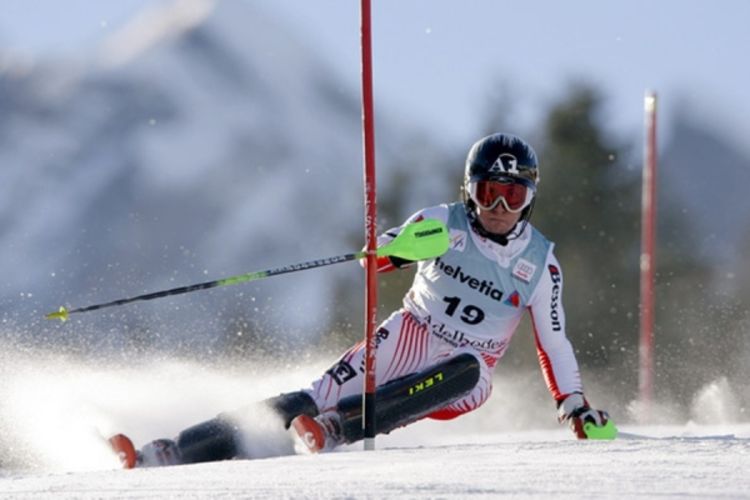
(471, 299)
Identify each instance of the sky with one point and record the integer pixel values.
(437, 61)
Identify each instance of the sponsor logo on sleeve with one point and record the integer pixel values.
(554, 306)
(524, 270)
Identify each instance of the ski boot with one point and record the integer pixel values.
(157, 453)
(321, 433)
(123, 447)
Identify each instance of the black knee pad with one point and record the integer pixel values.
(410, 398)
(221, 438)
(292, 404)
(209, 441)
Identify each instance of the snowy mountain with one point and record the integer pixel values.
(205, 141)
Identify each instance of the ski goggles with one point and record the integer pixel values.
(514, 194)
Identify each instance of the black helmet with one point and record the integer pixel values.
(505, 158)
(500, 156)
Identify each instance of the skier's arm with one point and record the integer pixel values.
(555, 353)
(556, 356)
(387, 264)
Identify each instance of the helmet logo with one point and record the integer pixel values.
(505, 163)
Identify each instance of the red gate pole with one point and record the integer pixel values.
(647, 264)
(371, 280)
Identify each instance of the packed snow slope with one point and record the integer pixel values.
(690, 463)
(54, 410)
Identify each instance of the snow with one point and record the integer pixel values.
(54, 409)
(523, 464)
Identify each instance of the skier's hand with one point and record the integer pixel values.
(388, 263)
(400, 263)
(575, 410)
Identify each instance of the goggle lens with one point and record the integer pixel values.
(513, 195)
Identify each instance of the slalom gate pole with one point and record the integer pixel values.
(647, 260)
(371, 280)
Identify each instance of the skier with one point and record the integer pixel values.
(435, 355)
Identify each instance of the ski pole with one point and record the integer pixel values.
(421, 240)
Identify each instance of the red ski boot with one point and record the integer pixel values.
(123, 446)
(322, 433)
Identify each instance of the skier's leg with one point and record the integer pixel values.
(221, 438)
(397, 403)
(404, 346)
(478, 395)
(413, 397)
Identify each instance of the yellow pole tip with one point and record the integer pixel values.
(61, 314)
